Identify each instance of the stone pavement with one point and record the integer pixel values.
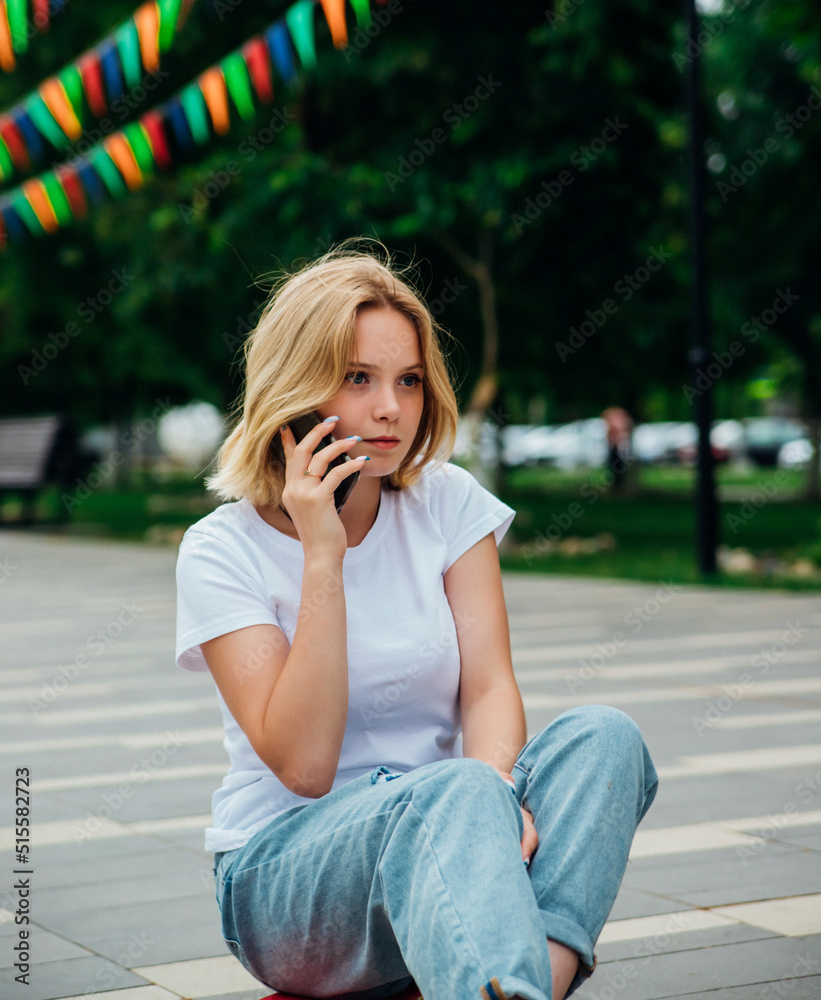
(721, 898)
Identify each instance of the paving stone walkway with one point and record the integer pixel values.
(722, 895)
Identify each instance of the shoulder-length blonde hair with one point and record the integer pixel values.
(296, 359)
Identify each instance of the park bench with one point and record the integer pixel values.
(411, 993)
(36, 452)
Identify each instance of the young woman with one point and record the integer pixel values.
(360, 844)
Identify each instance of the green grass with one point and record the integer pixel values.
(652, 532)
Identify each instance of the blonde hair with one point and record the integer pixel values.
(298, 354)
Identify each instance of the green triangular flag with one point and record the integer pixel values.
(57, 197)
(140, 146)
(362, 9)
(16, 12)
(44, 120)
(72, 81)
(300, 20)
(239, 85)
(169, 12)
(107, 169)
(193, 104)
(21, 205)
(128, 45)
(6, 162)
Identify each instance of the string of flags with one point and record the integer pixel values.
(122, 159)
(17, 25)
(98, 81)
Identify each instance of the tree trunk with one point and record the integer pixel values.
(487, 385)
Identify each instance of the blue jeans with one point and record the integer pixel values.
(394, 878)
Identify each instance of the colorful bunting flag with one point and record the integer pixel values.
(239, 86)
(282, 52)
(300, 19)
(120, 151)
(101, 74)
(147, 20)
(362, 10)
(194, 106)
(152, 123)
(56, 100)
(69, 179)
(6, 162)
(32, 139)
(182, 131)
(335, 16)
(112, 69)
(43, 119)
(212, 85)
(169, 18)
(41, 13)
(128, 46)
(259, 68)
(91, 181)
(25, 211)
(17, 25)
(92, 76)
(108, 172)
(121, 161)
(7, 60)
(14, 142)
(35, 194)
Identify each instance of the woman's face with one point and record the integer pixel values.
(383, 393)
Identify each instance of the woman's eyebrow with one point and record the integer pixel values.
(375, 368)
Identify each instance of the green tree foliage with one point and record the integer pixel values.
(530, 157)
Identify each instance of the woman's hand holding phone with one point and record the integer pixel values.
(309, 500)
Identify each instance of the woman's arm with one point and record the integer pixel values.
(493, 718)
(292, 702)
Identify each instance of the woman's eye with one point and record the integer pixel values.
(352, 376)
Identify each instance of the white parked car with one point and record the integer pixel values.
(794, 454)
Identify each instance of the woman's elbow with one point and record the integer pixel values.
(306, 782)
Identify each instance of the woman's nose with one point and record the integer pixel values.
(386, 403)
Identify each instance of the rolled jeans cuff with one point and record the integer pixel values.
(569, 933)
(511, 986)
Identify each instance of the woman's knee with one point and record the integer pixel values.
(593, 729)
(607, 723)
(462, 778)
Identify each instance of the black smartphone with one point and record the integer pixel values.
(300, 427)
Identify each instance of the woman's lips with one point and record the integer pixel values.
(384, 445)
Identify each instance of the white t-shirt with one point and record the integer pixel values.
(234, 570)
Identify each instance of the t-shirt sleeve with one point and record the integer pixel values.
(467, 512)
(215, 595)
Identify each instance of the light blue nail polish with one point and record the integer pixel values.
(354, 437)
(329, 420)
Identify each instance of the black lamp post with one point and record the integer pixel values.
(706, 505)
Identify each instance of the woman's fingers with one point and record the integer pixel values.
(309, 441)
(530, 839)
(306, 449)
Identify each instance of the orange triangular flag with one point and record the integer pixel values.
(118, 149)
(335, 16)
(54, 94)
(37, 197)
(147, 19)
(212, 85)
